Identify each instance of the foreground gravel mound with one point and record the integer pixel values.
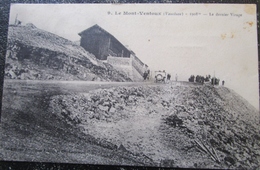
(173, 125)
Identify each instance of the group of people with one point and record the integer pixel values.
(198, 78)
(202, 79)
(169, 77)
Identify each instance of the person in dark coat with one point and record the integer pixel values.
(145, 75)
(168, 77)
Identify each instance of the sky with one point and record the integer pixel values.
(196, 39)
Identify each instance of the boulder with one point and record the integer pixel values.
(229, 160)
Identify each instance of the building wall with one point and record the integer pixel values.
(138, 65)
(118, 48)
(136, 75)
(130, 66)
(121, 64)
(119, 61)
(96, 44)
(103, 45)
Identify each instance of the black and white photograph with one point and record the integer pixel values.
(150, 85)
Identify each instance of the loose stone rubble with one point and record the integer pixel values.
(173, 125)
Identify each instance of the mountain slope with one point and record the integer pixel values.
(175, 125)
(29, 132)
(36, 54)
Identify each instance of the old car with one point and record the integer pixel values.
(160, 76)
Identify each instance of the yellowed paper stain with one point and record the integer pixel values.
(250, 23)
(250, 9)
(232, 35)
(223, 36)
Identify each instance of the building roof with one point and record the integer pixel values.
(93, 27)
(102, 30)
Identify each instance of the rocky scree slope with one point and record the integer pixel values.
(173, 125)
(28, 132)
(36, 54)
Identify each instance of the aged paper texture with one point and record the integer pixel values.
(135, 84)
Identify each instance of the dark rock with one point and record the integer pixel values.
(95, 98)
(257, 137)
(229, 161)
(213, 142)
(122, 148)
(200, 122)
(174, 120)
(107, 144)
(222, 149)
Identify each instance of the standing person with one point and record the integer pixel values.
(168, 77)
(148, 74)
(223, 82)
(145, 75)
(176, 77)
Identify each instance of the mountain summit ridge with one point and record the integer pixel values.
(33, 53)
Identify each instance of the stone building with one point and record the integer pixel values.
(106, 47)
(99, 42)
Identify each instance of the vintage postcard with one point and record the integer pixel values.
(159, 85)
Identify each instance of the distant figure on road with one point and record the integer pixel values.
(223, 82)
(146, 75)
(176, 77)
(168, 77)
